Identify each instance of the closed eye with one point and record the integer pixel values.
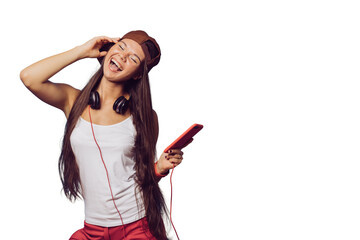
(133, 56)
(133, 59)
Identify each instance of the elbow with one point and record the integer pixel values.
(24, 76)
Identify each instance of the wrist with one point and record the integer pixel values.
(160, 172)
(79, 52)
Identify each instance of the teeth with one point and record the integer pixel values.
(116, 63)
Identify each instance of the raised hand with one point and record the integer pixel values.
(91, 49)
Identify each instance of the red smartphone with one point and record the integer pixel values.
(184, 138)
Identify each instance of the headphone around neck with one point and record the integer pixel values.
(120, 105)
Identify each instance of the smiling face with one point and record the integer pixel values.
(123, 61)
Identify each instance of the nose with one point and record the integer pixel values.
(122, 56)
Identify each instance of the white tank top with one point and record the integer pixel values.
(116, 142)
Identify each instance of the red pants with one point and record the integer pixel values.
(134, 231)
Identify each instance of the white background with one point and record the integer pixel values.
(275, 84)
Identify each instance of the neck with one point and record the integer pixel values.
(110, 91)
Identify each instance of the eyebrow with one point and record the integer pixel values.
(133, 52)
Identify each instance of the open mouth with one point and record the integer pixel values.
(115, 66)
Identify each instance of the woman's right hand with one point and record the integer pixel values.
(36, 76)
(91, 49)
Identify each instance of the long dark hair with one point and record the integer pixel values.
(144, 150)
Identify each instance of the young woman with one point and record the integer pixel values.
(108, 150)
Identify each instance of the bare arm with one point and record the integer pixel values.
(36, 76)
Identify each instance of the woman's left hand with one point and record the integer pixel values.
(169, 160)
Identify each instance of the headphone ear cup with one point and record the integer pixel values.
(94, 100)
(121, 105)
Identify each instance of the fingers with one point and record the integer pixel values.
(175, 161)
(102, 41)
(91, 49)
(102, 54)
(106, 39)
(175, 151)
(174, 156)
(116, 39)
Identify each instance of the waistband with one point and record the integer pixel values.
(139, 228)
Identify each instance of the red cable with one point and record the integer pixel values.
(171, 193)
(107, 174)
